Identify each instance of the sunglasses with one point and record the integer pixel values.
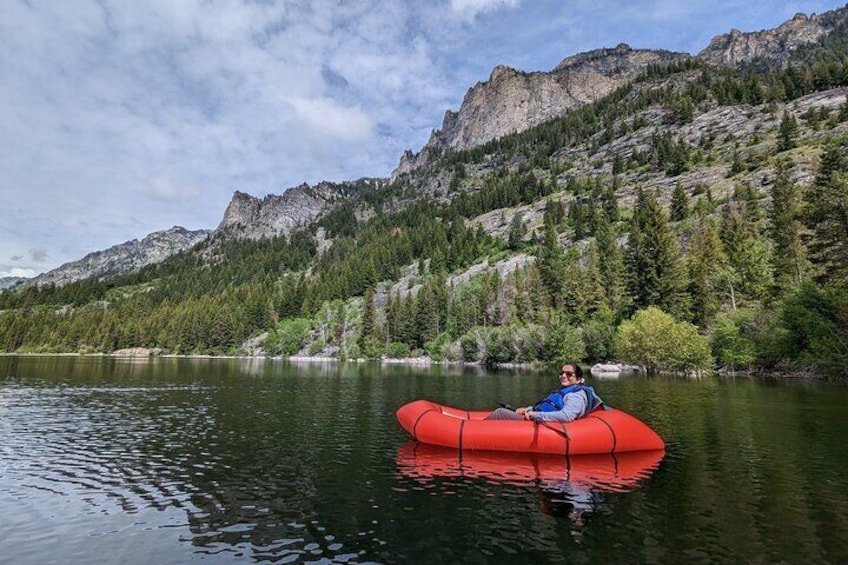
(567, 373)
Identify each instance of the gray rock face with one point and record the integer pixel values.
(512, 101)
(253, 218)
(125, 257)
(9, 282)
(774, 47)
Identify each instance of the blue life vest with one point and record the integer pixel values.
(554, 401)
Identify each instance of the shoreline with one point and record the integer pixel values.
(423, 362)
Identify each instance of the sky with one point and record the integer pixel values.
(118, 119)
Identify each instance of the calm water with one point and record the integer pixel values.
(221, 461)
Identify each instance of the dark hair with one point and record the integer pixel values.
(578, 372)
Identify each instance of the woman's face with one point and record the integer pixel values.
(567, 375)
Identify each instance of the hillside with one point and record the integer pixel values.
(703, 194)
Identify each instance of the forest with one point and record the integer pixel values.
(692, 279)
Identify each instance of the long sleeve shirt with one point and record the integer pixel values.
(574, 405)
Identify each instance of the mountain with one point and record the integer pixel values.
(125, 257)
(9, 282)
(513, 101)
(773, 48)
(510, 101)
(252, 218)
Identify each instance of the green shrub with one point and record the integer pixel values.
(563, 341)
(653, 339)
(350, 351)
(372, 348)
(397, 350)
(288, 337)
(435, 348)
(817, 320)
(731, 345)
(529, 343)
(317, 346)
(500, 345)
(599, 335)
(473, 346)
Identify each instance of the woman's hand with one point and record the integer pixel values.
(521, 411)
(528, 415)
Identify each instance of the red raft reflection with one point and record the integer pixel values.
(619, 472)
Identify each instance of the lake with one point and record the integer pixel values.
(249, 460)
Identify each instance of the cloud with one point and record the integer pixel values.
(327, 120)
(18, 272)
(38, 254)
(17, 257)
(165, 189)
(469, 9)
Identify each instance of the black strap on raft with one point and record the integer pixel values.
(507, 406)
(612, 431)
(415, 425)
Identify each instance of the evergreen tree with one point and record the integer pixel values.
(426, 314)
(551, 264)
(517, 231)
(367, 326)
(679, 204)
(827, 214)
(707, 270)
(611, 267)
(610, 205)
(787, 132)
(655, 271)
(591, 297)
(785, 230)
(748, 255)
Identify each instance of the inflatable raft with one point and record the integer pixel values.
(602, 431)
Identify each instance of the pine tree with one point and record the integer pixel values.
(787, 132)
(426, 314)
(707, 270)
(785, 230)
(827, 214)
(655, 271)
(748, 255)
(611, 268)
(591, 296)
(679, 204)
(551, 264)
(517, 231)
(367, 326)
(610, 205)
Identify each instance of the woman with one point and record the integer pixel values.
(572, 400)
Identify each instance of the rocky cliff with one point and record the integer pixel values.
(513, 100)
(249, 217)
(9, 282)
(124, 257)
(775, 47)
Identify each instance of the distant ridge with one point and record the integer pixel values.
(125, 257)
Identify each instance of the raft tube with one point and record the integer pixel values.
(602, 431)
